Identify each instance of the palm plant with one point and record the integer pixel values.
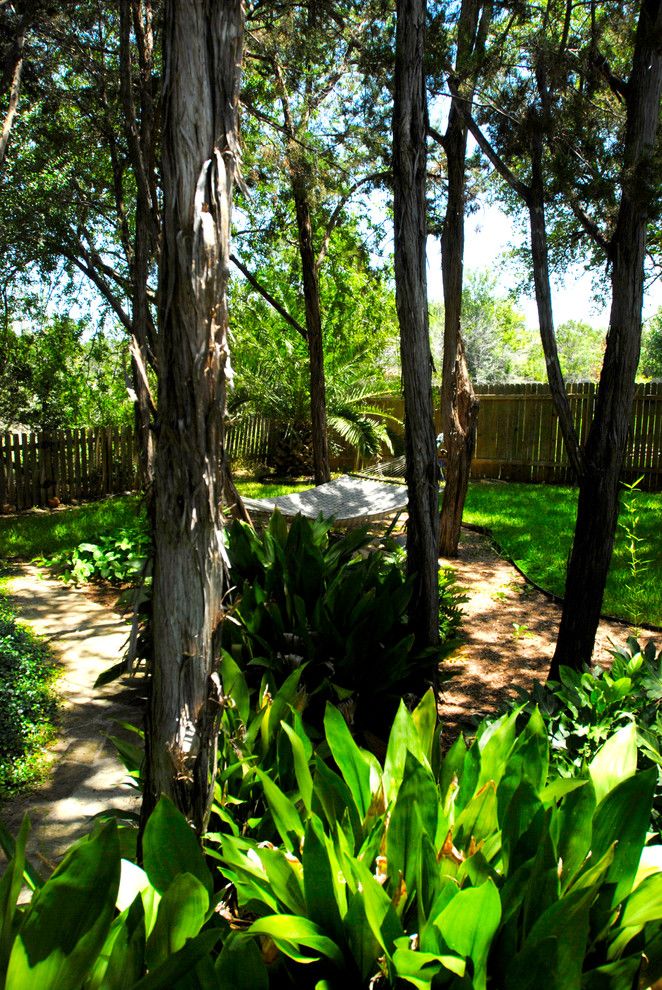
(276, 385)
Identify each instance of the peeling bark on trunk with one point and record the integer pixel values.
(597, 511)
(409, 175)
(202, 59)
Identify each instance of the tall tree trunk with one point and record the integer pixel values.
(409, 175)
(597, 511)
(140, 140)
(14, 69)
(202, 59)
(459, 406)
(535, 201)
(311, 294)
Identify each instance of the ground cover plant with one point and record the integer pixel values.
(583, 709)
(42, 534)
(464, 871)
(534, 526)
(29, 706)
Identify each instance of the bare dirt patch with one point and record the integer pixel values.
(510, 632)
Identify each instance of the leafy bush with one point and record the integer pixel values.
(459, 871)
(584, 708)
(27, 671)
(479, 868)
(118, 557)
(304, 598)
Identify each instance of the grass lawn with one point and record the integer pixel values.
(42, 533)
(534, 525)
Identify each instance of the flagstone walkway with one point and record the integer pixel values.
(86, 775)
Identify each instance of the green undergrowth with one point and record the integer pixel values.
(43, 533)
(326, 868)
(29, 704)
(534, 525)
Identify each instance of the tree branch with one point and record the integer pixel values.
(266, 295)
(86, 268)
(335, 216)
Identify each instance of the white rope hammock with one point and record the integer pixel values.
(345, 499)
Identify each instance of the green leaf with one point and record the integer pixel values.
(573, 826)
(292, 934)
(126, 962)
(320, 873)
(285, 815)
(615, 761)
(10, 888)
(301, 767)
(165, 977)
(414, 815)
(69, 918)
(424, 718)
(240, 965)
(469, 923)
(623, 817)
(421, 968)
(170, 847)
(351, 762)
(182, 913)
(234, 685)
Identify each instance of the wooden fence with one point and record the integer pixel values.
(519, 438)
(66, 464)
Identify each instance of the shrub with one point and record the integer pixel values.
(479, 868)
(303, 598)
(583, 709)
(118, 557)
(27, 671)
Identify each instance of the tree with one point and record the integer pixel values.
(597, 507)
(651, 353)
(459, 406)
(547, 120)
(410, 222)
(53, 378)
(302, 60)
(202, 51)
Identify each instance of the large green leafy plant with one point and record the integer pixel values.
(584, 708)
(304, 598)
(472, 870)
(459, 872)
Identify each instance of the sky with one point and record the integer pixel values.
(489, 233)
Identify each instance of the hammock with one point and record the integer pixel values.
(345, 499)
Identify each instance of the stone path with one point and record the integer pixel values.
(86, 775)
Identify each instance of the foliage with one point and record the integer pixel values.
(501, 348)
(650, 365)
(27, 672)
(534, 525)
(43, 534)
(53, 378)
(273, 380)
(464, 871)
(638, 565)
(584, 708)
(453, 872)
(117, 558)
(303, 598)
